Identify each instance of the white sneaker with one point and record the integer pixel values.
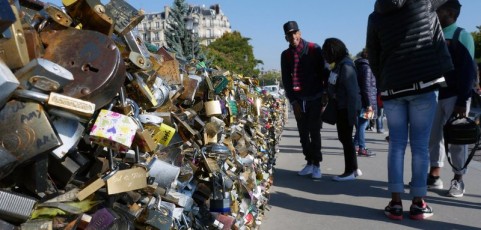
(316, 172)
(351, 176)
(306, 170)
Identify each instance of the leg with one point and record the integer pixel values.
(344, 132)
(421, 114)
(314, 128)
(397, 120)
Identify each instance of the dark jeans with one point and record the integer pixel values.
(344, 133)
(309, 126)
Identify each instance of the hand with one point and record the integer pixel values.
(459, 111)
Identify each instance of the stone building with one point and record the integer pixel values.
(208, 23)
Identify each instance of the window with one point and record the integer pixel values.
(208, 33)
(157, 25)
(157, 36)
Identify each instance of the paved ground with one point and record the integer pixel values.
(302, 203)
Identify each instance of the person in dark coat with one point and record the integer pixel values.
(344, 90)
(408, 56)
(304, 72)
(367, 85)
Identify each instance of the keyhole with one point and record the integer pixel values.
(88, 67)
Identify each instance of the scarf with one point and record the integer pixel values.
(297, 52)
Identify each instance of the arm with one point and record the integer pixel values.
(374, 50)
(286, 77)
(363, 84)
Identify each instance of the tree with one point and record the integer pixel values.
(270, 78)
(233, 52)
(184, 43)
(477, 43)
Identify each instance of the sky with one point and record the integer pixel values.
(262, 20)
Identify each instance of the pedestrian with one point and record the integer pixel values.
(367, 86)
(304, 72)
(408, 56)
(380, 114)
(454, 100)
(344, 90)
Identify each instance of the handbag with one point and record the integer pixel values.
(329, 115)
(462, 131)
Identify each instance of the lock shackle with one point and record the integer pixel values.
(29, 94)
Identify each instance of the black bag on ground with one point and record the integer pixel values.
(329, 115)
(461, 131)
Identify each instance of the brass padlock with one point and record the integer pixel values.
(125, 16)
(127, 180)
(139, 54)
(26, 130)
(13, 49)
(91, 14)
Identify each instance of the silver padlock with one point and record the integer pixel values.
(8, 83)
(43, 75)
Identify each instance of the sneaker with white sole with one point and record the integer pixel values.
(316, 172)
(456, 189)
(348, 177)
(307, 170)
(434, 182)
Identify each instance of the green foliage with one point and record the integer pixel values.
(270, 78)
(232, 52)
(184, 43)
(477, 43)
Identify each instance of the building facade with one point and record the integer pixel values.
(207, 23)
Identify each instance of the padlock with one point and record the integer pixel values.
(8, 83)
(8, 162)
(102, 219)
(16, 208)
(70, 132)
(191, 85)
(73, 105)
(38, 224)
(34, 44)
(94, 60)
(165, 174)
(100, 181)
(43, 75)
(186, 131)
(213, 108)
(141, 91)
(161, 134)
(4, 225)
(209, 163)
(113, 130)
(125, 16)
(161, 91)
(62, 170)
(91, 14)
(221, 201)
(13, 49)
(7, 17)
(33, 176)
(57, 15)
(138, 53)
(127, 180)
(26, 130)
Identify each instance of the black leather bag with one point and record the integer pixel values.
(329, 115)
(461, 131)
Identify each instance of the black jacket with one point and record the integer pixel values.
(313, 73)
(406, 44)
(367, 84)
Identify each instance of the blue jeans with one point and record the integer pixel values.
(411, 115)
(361, 125)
